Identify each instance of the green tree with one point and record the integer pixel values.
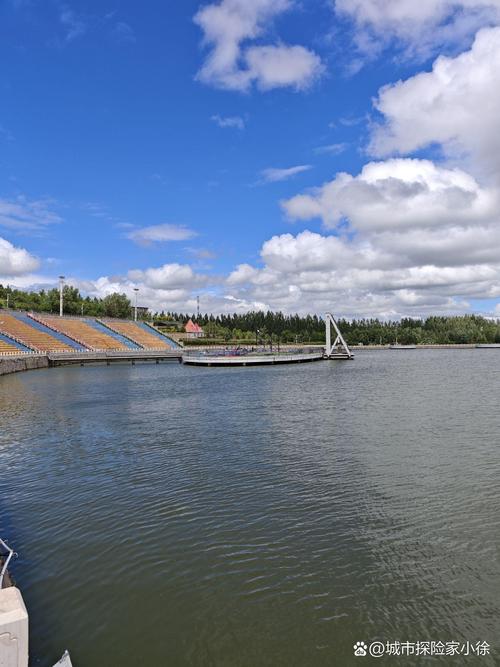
(116, 305)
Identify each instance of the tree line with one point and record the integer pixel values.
(47, 301)
(265, 327)
(258, 326)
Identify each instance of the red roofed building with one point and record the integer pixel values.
(193, 330)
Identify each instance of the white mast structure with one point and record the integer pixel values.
(333, 351)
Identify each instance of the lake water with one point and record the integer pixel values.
(246, 517)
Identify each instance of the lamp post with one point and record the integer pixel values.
(136, 289)
(61, 298)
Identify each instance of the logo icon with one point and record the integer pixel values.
(360, 648)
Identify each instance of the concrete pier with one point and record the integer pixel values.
(13, 629)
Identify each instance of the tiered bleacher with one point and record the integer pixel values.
(7, 348)
(82, 332)
(22, 332)
(139, 333)
(29, 336)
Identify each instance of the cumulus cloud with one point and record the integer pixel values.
(457, 105)
(168, 276)
(176, 299)
(23, 215)
(409, 237)
(364, 277)
(273, 174)
(418, 27)
(281, 66)
(160, 234)
(168, 287)
(15, 261)
(232, 64)
(398, 194)
(229, 121)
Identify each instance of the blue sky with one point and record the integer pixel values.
(257, 153)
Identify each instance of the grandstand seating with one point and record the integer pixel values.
(134, 331)
(29, 336)
(100, 327)
(159, 334)
(7, 348)
(31, 320)
(82, 332)
(22, 332)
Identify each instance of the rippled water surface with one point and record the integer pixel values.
(167, 515)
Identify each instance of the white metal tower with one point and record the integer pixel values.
(339, 349)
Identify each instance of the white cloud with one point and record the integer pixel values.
(313, 272)
(168, 287)
(418, 27)
(229, 121)
(410, 238)
(168, 276)
(281, 66)
(237, 305)
(242, 274)
(272, 174)
(398, 194)
(22, 214)
(457, 105)
(160, 233)
(331, 149)
(233, 65)
(15, 261)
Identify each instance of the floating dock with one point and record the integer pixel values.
(208, 359)
(338, 349)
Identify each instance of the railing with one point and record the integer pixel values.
(20, 353)
(7, 557)
(261, 350)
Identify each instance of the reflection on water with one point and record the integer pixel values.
(254, 516)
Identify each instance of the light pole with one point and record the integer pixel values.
(61, 289)
(136, 289)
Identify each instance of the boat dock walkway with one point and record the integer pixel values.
(108, 357)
